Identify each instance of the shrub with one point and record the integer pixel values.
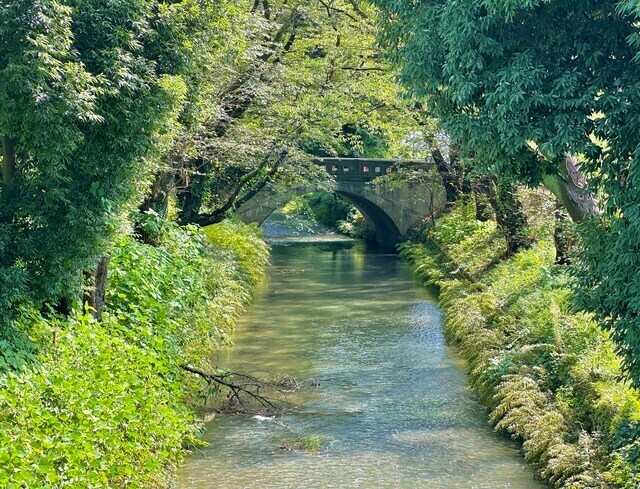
(106, 404)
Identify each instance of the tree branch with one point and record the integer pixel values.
(234, 201)
(243, 387)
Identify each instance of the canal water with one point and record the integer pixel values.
(390, 408)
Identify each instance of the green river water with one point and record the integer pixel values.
(392, 407)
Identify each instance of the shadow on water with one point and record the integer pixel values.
(391, 408)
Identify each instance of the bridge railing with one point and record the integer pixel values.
(366, 169)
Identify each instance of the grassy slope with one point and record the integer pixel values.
(86, 404)
(548, 375)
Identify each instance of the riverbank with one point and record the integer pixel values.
(106, 404)
(548, 375)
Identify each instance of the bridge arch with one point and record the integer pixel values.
(386, 231)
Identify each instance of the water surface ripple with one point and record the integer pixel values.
(392, 405)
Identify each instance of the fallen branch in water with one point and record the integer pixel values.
(243, 387)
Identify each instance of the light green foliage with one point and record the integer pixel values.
(88, 404)
(331, 211)
(356, 225)
(474, 245)
(549, 375)
(96, 411)
(161, 294)
(249, 252)
(297, 79)
(327, 208)
(425, 262)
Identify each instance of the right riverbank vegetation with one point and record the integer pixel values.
(132, 130)
(548, 373)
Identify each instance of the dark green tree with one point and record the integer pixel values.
(543, 92)
(83, 102)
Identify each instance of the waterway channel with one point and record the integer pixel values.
(391, 409)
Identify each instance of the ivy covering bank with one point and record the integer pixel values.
(548, 376)
(87, 404)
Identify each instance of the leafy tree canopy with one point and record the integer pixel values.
(86, 92)
(521, 84)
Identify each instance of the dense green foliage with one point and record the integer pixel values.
(520, 84)
(549, 375)
(293, 80)
(323, 207)
(491, 79)
(102, 404)
(82, 104)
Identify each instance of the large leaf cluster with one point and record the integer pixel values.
(515, 83)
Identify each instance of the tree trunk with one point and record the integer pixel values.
(480, 189)
(96, 293)
(510, 215)
(158, 198)
(235, 200)
(570, 188)
(451, 175)
(562, 236)
(190, 196)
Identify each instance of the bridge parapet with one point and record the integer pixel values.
(367, 169)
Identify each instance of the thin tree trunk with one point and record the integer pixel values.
(191, 195)
(96, 294)
(158, 198)
(235, 200)
(562, 236)
(510, 215)
(480, 189)
(451, 176)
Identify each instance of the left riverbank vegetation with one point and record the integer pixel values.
(88, 403)
(130, 132)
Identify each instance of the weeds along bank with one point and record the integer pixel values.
(549, 376)
(86, 404)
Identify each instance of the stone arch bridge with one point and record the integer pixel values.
(391, 206)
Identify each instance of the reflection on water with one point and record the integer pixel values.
(392, 406)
